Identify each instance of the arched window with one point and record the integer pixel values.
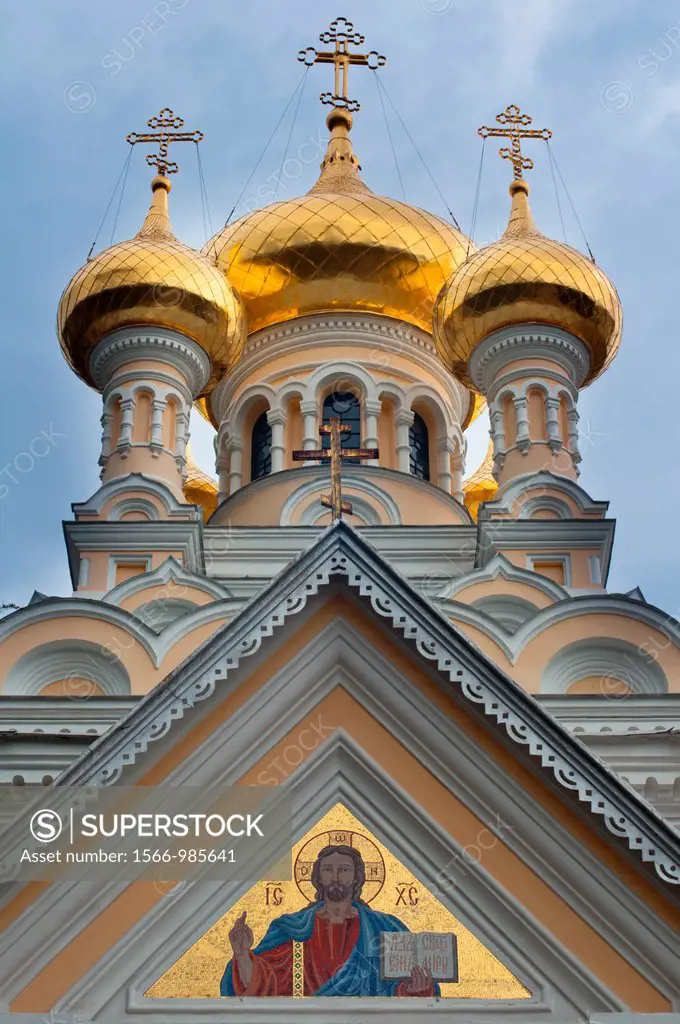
(420, 448)
(346, 407)
(261, 448)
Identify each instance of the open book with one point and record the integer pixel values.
(400, 952)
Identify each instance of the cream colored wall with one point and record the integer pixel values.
(115, 640)
(539, 457)
(418, 504)
(140, 460)
(650, 643)
(98, 578)
(578, 563)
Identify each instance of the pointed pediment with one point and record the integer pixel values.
(341, 558)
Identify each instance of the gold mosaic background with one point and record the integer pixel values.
(198, 972)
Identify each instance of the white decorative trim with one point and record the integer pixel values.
(341, 555)
(169, 571)
(609, 658)
(156, 646)
(376, 333)
(562, 559)
(66, 659)
(351, 479)
(497, 566)
(595, 570)
(141, 560)
(526, 341)
(147, 508)
(508, 494)
(508, 610)
(544, 503)
(159, 344)
(122, 485)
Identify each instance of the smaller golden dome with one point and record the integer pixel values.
(525, 277)
(481, 486)
(153, 280)
(199, 488)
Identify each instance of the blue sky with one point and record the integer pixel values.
(78, 76)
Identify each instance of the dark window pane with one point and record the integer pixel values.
(420, 448)
(346, 407)
(261, 448)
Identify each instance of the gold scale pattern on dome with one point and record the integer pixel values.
(199, 488)
(525, 278)
(153, 279)
(340, 246)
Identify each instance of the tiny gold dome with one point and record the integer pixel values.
(339, 247)
(153, 280)
(199, 488)
(525, 277)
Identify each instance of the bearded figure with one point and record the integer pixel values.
(340, 937)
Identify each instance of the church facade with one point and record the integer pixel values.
(476, 740)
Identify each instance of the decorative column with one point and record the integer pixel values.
(445, 450)
(458, 463)
(157, 409)
(572, 425)
(523, 439)
(222, 467)
(276, 418)
(371, 413)
(181, 439)
(403, 421)
(498, 437)
(107, 430)
(127, 414)
(552, 406)
(310, 415)
(235, 464)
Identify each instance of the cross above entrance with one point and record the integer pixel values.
(335, 454)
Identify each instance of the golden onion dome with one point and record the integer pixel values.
(339, 247)
(525, 277)
(154, 280)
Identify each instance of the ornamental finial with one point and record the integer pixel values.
(514, 127)
(343, 34)
(166, 120)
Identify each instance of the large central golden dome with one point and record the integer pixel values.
(339, 247)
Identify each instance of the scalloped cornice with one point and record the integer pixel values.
(130, 344)
(524, 342)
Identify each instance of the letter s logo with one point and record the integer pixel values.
(45, 826)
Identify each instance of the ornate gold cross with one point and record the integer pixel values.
(165, 120)
(342, 33)
(335, 454)
(514, 128)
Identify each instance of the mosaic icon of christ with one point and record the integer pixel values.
(340, 937)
